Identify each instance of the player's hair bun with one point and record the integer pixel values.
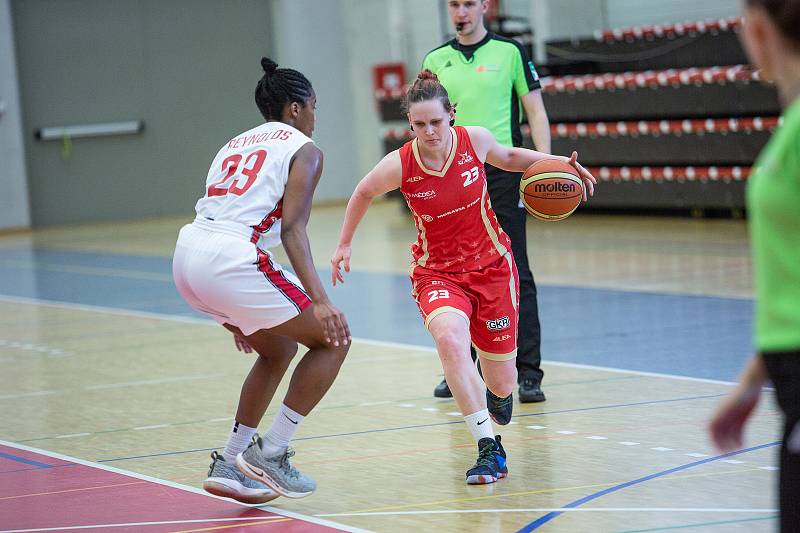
(268, 65)
(427, 75)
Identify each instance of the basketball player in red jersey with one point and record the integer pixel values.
(463, 273)
(258, 195)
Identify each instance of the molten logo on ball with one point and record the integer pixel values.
(554, 187)
(550, 189)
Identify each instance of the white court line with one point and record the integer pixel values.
(387, 344)
(561, 510)
(72, 435)
(266, 519)
(28, 394)
(27, 346)
(152, 381)
(107, 310)
(107, 386)
(187, 488)
(97, 271)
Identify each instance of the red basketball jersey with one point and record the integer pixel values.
(457, 230)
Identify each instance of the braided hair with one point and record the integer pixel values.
(278, 87)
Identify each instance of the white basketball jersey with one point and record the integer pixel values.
(247, 179)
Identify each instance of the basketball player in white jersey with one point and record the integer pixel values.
(258, 195)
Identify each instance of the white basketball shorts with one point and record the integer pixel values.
(219, 272)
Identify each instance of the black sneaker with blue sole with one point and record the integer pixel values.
(491, 464)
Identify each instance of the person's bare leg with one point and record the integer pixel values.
(268, 460)
(500, 376)
(319, 367)
(275, 353)
(450, 332)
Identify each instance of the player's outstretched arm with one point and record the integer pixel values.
(304, 174)
(727, 425)
(385, 177)
(512, 159)
(519, 159)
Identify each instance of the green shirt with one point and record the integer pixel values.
(773, 201)
(485, 82)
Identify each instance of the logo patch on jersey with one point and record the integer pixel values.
(426, 218)
(448, 64)
(414, 179)
(498, 324)
(533, 71)
(501, 338)
(464, 158)
(424, 195)
(488, 68)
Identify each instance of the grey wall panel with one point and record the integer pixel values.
(14, 207)
(318, 48)
(625, 13)
(187, 68)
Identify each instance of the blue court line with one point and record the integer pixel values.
(536, 524)
(702, 524)
(25, 461)
(632, 404)
(435, 424)
(69, 465)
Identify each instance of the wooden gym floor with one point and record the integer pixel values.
(646, 321)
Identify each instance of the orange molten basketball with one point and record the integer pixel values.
(550, 189)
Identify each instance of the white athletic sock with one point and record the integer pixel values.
(480, 425)
(238, 440)
(280, 433)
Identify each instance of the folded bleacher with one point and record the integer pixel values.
(668, 117)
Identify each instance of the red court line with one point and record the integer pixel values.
(100, 498)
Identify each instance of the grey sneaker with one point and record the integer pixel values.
(276, 471)
(225, 480)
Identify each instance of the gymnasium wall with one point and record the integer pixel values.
(563, 19)
(340, 42)
(624, 13)
(187, 68)
(14, 212)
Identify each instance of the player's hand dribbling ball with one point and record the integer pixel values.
(551, 189)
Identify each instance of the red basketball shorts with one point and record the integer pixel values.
(488, 299)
